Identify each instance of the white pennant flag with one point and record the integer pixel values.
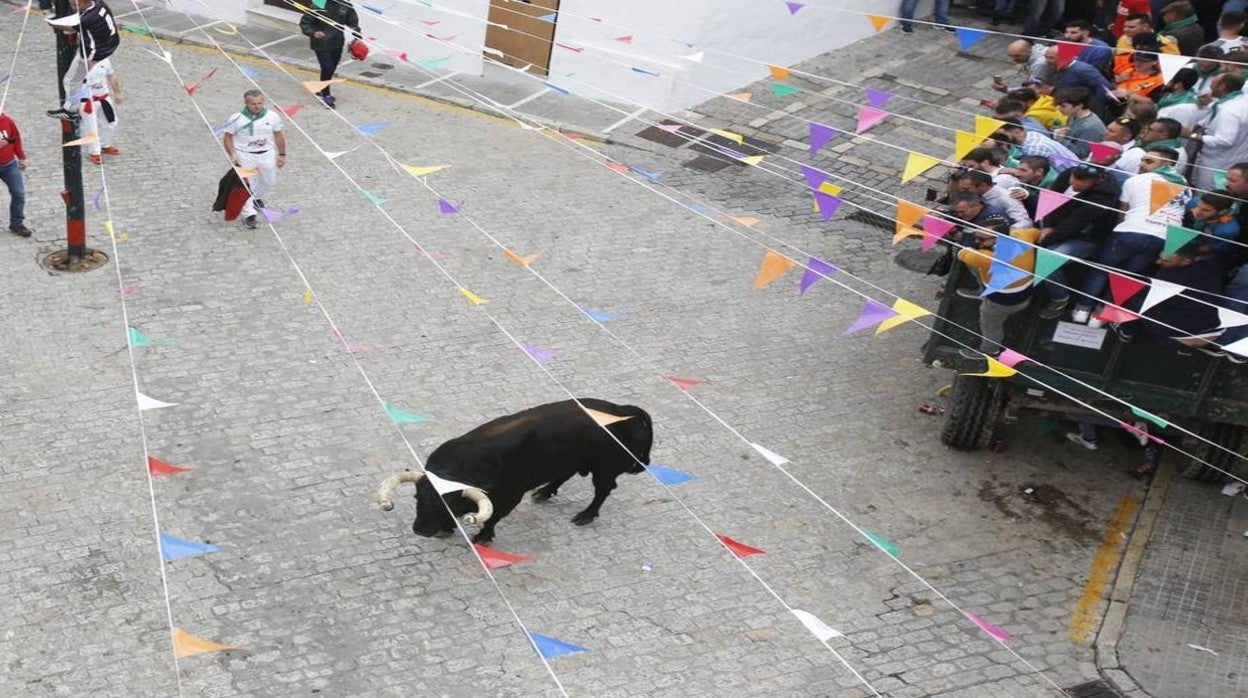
(817, 627)
(1158, 292)
(695, 57)
(163, 55)
(340, 153)
(1230, 318)
(1240, 347)
(773, 457)
(444, 486)
(1172, 63)
(150, 403)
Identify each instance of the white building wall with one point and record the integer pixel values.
(229, 10)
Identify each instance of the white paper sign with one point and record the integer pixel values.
(1079, 335)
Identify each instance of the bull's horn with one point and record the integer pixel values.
(384, 493)
(485, 508)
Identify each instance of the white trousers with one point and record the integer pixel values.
(74, 82)
(262, 183)
(98, 121)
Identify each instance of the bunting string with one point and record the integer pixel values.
(8, 78)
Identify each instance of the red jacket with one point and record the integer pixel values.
(1129, 7)
(10, 141)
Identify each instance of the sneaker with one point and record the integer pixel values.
(1096, 323)
(111, 150)
(1076, 438)
(259, 203)
(1054, 309)
(63, 113)
(972, 293)
(329, 101)
(949, 29)
(21, 231)
(49, 14)
(96, 159)
(1081, 316)
(907, 29)
(250, 222)
(973, 355)
(1140, 433)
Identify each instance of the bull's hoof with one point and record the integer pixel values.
(483, 537)
(541, 495)
(583, 518)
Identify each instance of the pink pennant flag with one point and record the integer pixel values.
(933, 230)
(868, 117)
(619, 167)
(350, 346)
(685, 383)
(1140, 432)
(1049, 202)
(1011, 358)
(1102, 152)
(495, 559)
(741, 550)
(401, 55)
(628, 39)
(437, 256)
(573, 49)
(989, 628)
(130, 290)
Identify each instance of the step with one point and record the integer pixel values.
(273, 17)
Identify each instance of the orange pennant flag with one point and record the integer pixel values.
(774, 266)
(245, 172)
(907, 215)
(741, 96)
(879, 22)
(604, 419)
(187, 645)
(88, 139)
(917, 164)
(747, 221)
(522, 261)
(779, 73)
(1162, 193)
(315, 86)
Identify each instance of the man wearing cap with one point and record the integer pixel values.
(1144, 78)
(1182, 26)
(1136, 24)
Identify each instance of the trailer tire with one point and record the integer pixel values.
(974, 408)
(1228, 436)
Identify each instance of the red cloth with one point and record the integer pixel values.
(1129, 7)
(10, 141)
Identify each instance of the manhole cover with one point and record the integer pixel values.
(59, 262)
(872, 218)
(917, 260)
(669, 139)
(369, 74)
(1093, 689)
(705, 163)
(382, 66)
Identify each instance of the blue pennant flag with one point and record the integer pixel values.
(550, 17)
(600, 315)
(250, 72)
(552, 648)
(650, 175)
(173, 548)
(669, 476)
(1009, 248)
(372, 129)
(1001, 275)
(968, 37)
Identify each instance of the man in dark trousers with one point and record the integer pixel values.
(98, 39)
(12, 165)
(324, 27)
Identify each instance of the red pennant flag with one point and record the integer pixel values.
(685, 383)
(1124, 287)
(741, 550)
(292, 109)
(158, 467)
(190, 89)
(497, 558)
(1067, 52)
(1112, 314)
(625, 39)
(618, 167)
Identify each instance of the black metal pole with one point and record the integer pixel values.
(71, 156)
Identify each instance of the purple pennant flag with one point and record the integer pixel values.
(877, 98)
(537, 353)
(95, 201)
(794, 7)
(816, 269)
(827, 203)
(813, 177)
(872, 314)
(447, 208)
(819, 136)
(5, 78)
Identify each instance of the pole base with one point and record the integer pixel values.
(61, 262)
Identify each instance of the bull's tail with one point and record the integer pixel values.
(385, 494)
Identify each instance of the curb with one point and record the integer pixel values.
(176, 38)
(1108, 664)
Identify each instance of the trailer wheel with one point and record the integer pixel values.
(974, 408)
(1228, 436)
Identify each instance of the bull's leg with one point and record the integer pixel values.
(502, 507)
(603, 484)
(550, 489)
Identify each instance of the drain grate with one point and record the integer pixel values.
(1094, 689)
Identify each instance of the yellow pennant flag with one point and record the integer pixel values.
(187, 645)
(779, 73)
(522, 261)
(741, 96)
(752, 160)
(108, 228)
(917, 164)
(88, 139)
(986, 126)
(315, 86)
(907, 215)
(996, 369)
(245, 172)
(1162, 193)
(879, 22)
(307, 296)
(422, 171)
(964, 143)
(476, 300)
(774, 266)
(734, 137)
(747, 221)
(906, 311)
(604, 419)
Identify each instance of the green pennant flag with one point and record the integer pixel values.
(434, 63)
(883, 544)
(1150, 417)
(319, 4)
(1219, 179)
(783, 90)
(401, 416)
(139, 338)
(1176, 237)
(1046, 263)
(136, 29)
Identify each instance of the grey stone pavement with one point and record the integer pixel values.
(324, 594)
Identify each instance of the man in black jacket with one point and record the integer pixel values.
(324, 27)
(1077, 228)
(97, 40)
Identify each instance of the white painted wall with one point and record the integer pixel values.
(229, 10)
(461, 22)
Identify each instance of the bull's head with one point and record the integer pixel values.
(433, 517)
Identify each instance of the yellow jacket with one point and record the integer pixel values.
(1045, 111)
(980, 261)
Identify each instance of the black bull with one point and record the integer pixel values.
(541, 447)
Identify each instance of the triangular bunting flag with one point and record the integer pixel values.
(1011, 358)
(246, 172)
(1002, 275)
(872, 314)
(1230, 318)
(1162, 193)
(1172, 63)
(741, 96)
(1158, 292)
(994, 631)
(1111, 314)
(522, 261)
(442, 485)
(1048, 202)
(773, 267)
(604, 419)
(741, 550)
(752, 160)
(1238, 348)
(917, 164)
(734, 137)
(538, 354)
(1046, 263)
(782, 90)
(472, 297)
(986, 126)
(308, 296)
(495, 559)
(1100, 153)
(628, 39)
(139, 338)
(435, 63)
(819, 136)
(827, 204)
(877, 98)
(315, 86)
(868, 117)
(1176, 237)
(908, 214)
(747, 221)
(996, 369)
(373, 128)
(883, 543)
(158, 467)
(599, 315)
(174, 548)
(685, 383)
(816, 627)
(1122, 288)
(423, 171)
(771, 456)
(879, 22)
(148, 403)
(187, 645)
(964, 143)
(933, 230)
(669, 476)
(1144, 414)
(814, 177)
(191, 87)
(402, 416)
(446, 208)
(968, 37)
(1066, 52)
(374, 198)
(695, 57)
(794, 7)
(88, 139)
(816, 269)
(906, 311)
(779, 73)
(550, 648)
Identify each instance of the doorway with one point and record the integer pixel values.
(528, 39)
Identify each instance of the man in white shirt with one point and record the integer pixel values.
(104, 89)
(254, 140)
(980, 182)
(1223, 134)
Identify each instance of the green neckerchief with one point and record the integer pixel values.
(1171, 175)
(1213, 110)
(1173, 98)
(1175, 144)
(1186, 21)
(251, 120)
(1049, 178)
